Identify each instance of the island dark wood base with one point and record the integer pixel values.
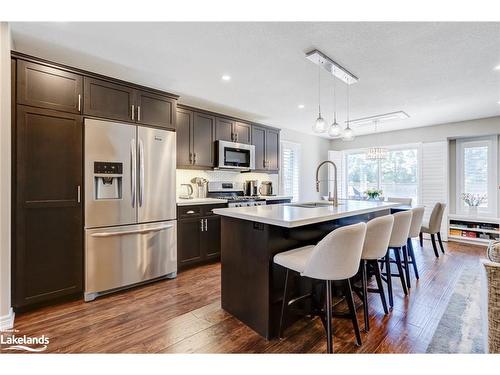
(251, 284)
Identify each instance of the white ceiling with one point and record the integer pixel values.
(435, 72)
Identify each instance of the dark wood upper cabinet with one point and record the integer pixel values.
(272, 149)
(156, 110)
(203, 140)
(224, 129)
(242, 132)
(259, 141)
(46, 87)
(184, 136)
(48, 179)
(109, 100)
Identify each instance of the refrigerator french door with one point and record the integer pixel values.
(130, 211)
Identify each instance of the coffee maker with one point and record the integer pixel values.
(266, 188)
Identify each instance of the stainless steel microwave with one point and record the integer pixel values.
(232, 155)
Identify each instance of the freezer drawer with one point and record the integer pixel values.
(122, 256)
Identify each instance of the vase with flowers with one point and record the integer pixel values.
(374, 194)
(473, 201)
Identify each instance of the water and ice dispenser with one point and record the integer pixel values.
(108, 178)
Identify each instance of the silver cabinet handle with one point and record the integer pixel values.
(133, 112)
(141, 173)
(133, 166)
(138, 113)
(79, 102)
(206, 225)
(190, 212)
(136, 231)
(78, 194)
(201, 224)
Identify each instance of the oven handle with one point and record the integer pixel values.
(136, 231)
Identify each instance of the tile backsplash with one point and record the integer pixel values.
(184, 176)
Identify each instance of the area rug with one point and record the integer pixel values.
(460, 327)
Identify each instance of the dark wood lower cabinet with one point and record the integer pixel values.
(48, 248)
(198, 237)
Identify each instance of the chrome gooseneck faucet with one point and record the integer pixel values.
(333, 198)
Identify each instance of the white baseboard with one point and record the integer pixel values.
(7, 321)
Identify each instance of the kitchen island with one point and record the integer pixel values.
(251, 284)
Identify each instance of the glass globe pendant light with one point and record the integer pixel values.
(320, 123)
(348, 133)
(334, 130)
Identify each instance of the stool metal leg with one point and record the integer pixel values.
(389, 278)
(440, 241)
(400, 270)
(411, 252)
(365, 294)
(407, 266)
(329, 336)
(284, 304)
(352, 309)
(380, 286)
(421, 238)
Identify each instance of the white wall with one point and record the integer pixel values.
(314, 150)
(6, 317)
(435, 133)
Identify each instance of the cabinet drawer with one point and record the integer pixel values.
(186, 212)
(207, 209)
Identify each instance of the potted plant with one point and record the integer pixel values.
(373, 194)
(473, 201)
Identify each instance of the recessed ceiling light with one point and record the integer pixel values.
(497, 67)
(226, 77)
(301, 106)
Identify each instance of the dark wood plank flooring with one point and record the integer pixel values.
(184, 316)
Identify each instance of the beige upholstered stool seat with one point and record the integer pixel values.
(295, 259)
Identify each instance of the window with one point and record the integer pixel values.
(290, 169)
(477, 173)
(396, 176)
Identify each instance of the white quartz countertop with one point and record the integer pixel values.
(189, 202)
(290, 216)
(195, 201)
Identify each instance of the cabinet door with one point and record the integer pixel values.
(242, 132)
(203, 140)
(272, 149)
(188, 242)
(211, 237)
(46, 87)
(259, 141)
(156, 110)
(184, 137)
(48, 180)
(108, 100)
(224, 129)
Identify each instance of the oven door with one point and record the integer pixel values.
(232, 155)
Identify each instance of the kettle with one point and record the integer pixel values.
(188, 193)
(266, 188)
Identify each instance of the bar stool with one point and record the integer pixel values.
(434, 227)
(378, 234)
(399, 235)
(335, 258)
(408, 253)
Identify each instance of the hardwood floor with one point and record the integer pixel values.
(184, 316)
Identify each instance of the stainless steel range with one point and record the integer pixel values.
(234, 193)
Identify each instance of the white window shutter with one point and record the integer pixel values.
(434, 172)
(290, 169)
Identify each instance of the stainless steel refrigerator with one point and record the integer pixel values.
(130, 208)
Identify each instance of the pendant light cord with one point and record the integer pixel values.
(334, 99)
(348, 124)
(319, 90)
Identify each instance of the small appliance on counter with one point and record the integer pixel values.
(186, 191)
(266, 188)
(250, 188)
(201, 186)
(234, 193)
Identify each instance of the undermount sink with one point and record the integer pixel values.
(313, 204)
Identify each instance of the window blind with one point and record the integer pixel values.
(290, 169)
